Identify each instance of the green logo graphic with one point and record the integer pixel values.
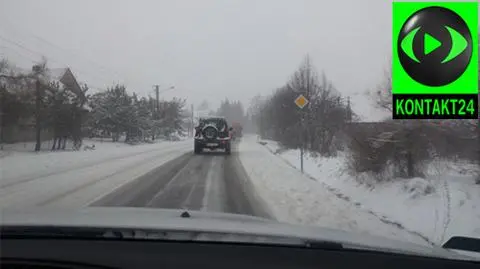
(431, 44)
(435, 48)
(459, 44)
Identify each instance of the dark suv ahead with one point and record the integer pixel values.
(212, 133)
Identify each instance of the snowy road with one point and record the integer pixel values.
(162, 176)
(211, 181)
(250, 181)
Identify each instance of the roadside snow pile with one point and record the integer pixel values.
(295, 198)
(444, 204)
(417, 187)
(175, 137)
(273, 146)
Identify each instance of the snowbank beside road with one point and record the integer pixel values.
(444, 204)
(295, 198)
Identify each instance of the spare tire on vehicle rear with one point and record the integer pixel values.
(210, 132)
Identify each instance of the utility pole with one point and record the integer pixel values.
(38, 126)
(192, 124)
(3, 95)
(157, 93)
(157, 100)
(156, 108)
(349, 110)
(38, 106)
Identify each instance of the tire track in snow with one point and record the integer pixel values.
(138, 192)
(209, 182)
(447, 207)
(103, 178)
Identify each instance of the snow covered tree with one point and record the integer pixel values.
(115, 112)
(382, 94)
(204, 105)
(232, 111)
(172, 116)
(17, 100)
(111, 111)
(317, 126)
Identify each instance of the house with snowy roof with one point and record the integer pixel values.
(68, 80)
(24, 129)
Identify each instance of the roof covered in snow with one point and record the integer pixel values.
(66, 77)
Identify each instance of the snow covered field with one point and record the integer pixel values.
(77, 178)
(296, 198)
(444, 204)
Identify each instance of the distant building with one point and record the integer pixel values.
(67, 79)
(24, 129)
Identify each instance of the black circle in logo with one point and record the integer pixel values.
(434, 46)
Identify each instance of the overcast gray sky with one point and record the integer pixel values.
(208, 49)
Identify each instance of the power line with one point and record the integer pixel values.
(73, 53)
(101, 67)
(39, 53)
(91, 86)
(20, 46)
(18, 53)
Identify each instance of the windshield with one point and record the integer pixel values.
(359, 116)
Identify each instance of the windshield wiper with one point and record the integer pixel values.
(463, 243)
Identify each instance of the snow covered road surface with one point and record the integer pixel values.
(211, 181)
(295, 198)
(163, 175)
(75, 179)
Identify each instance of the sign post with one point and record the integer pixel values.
(301, 101)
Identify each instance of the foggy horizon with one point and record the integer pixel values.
(208, 50)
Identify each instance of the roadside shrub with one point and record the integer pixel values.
(401, 149)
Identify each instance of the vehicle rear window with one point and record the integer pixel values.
(219, 123)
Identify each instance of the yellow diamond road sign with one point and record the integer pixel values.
(301, 101)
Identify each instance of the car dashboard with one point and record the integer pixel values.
(70, 252)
